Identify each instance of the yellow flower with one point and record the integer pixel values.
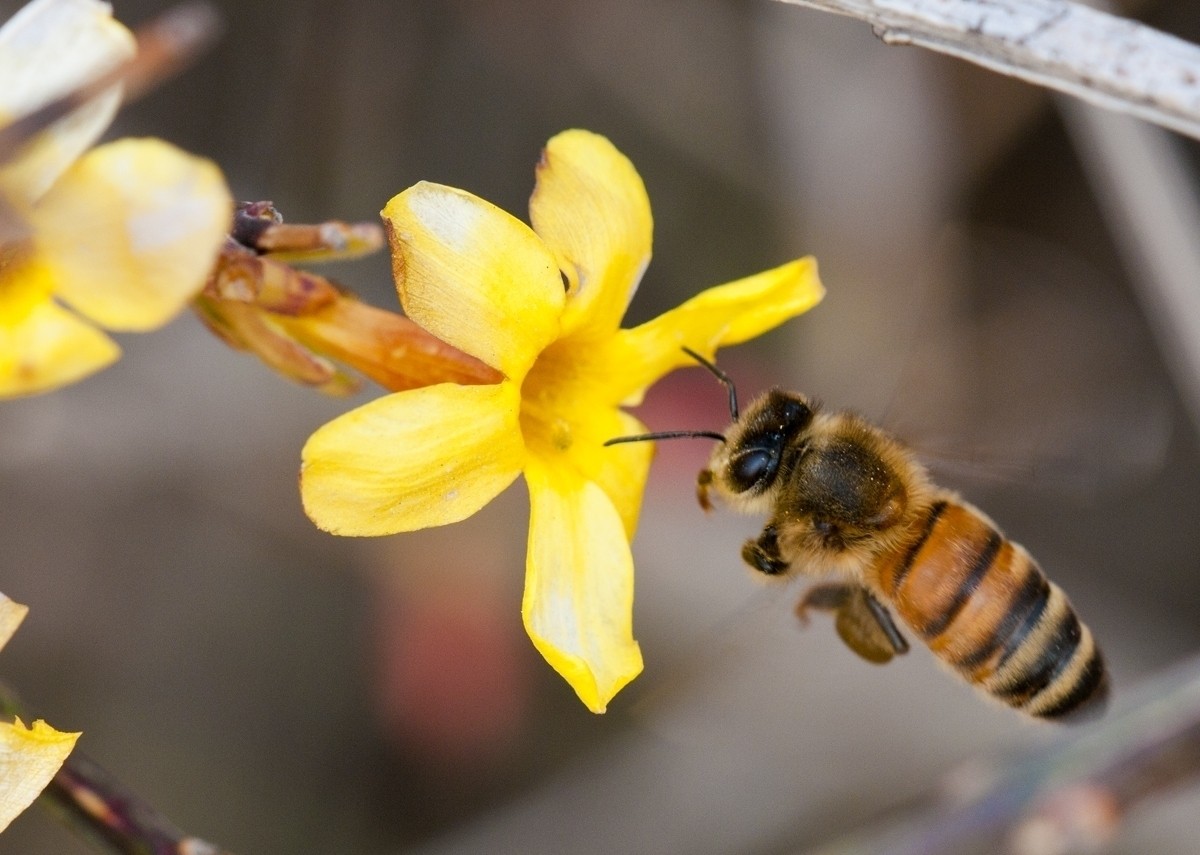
(29, 756)
(543, 306)
(125, 233)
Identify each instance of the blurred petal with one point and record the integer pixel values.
(414, 459)
(474, 276)
(591, 208)
(48, 49)
(29, 758)
(131, 231)
(11, 615)
(578, 604)
(42, 345)
(724, 315)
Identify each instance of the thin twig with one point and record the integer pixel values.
(1101, 58)
(103, 809)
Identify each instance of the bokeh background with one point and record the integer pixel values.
(279, 690)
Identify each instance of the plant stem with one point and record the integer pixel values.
(106, 811)
(111, 814)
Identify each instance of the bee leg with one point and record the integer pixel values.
(763, 554)
(884, 619)
(829, 597)
(861, 621)
(703, 485)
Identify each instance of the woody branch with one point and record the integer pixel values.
(1107, 60)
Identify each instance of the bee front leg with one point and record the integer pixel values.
(763, 554)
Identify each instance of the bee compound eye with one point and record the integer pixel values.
(751, 466)
(796, 414)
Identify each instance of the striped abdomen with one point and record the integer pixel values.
(985, 608)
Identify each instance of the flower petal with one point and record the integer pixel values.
(474, 275)
(11, 615)
(411, 460)
(725, 315)
(566, 422)
(574, 439)
(591, 208)
(626, 468)
(29, 758)
(42, 345)
(48, 49)
(578, 603)
(131, 231)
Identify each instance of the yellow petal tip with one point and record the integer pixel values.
(29, 759)
(593, 689)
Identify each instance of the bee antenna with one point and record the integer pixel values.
(668, 434)
(690, 434)
(725, 379)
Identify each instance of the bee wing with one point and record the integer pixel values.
(1079, 471)
(1047, 374)
(862, 622)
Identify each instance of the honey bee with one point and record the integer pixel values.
(847, 501)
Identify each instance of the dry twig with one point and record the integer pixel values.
(1110, 61)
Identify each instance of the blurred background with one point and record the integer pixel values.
(279, 690)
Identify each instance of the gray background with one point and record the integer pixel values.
(279, 690)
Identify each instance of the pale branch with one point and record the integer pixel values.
(1101, 58)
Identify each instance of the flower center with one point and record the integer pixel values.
(547, 398)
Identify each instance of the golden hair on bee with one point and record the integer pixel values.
(845, 500)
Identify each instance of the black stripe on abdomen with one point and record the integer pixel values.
(1028, 603)
(1056, 652)
(1091, 688)
(982, 564)
(935, 511)
(1031, 619)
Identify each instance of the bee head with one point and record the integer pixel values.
(746, 463)
(746, 466)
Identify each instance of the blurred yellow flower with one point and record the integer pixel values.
(29, 756)
(543, 306)
(125, 233)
